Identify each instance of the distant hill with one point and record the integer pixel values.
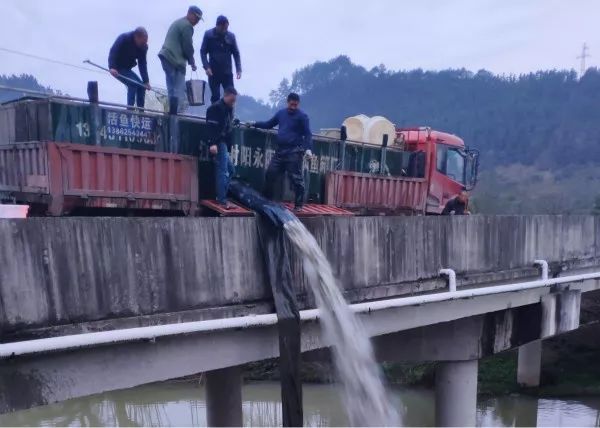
(547, 118)
(23, 81)
(539, 133)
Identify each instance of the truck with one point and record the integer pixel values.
(415, 171)
(435, 167)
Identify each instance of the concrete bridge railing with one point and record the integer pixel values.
(57, 272)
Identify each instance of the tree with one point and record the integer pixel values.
(278, 96)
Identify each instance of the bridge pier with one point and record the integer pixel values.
(529, 364)
(224, 397)
(456, 393)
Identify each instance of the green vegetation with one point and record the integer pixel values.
(570, 364)
(409, 374)
(547, 119)
(498, 374)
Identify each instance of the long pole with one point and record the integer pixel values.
(135, 82)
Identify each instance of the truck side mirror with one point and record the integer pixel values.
(343, 133)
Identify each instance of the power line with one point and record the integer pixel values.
(582, 57)
(66, 64)
(41, 58)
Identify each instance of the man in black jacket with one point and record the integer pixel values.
(127, 51)
(218, 46)
(458, 205)
(220, 116)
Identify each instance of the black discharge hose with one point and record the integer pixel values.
(275, 253)
(275, 213)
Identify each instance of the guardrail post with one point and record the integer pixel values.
(95, 113)
(382, 163)
(173, 125)
(343, 138)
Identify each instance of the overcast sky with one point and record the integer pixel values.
(278, 36)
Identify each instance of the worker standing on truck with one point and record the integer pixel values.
(220, 116)
(177, 52)
(127, 51)
(218, 46)
(294, 141)
(458, 205)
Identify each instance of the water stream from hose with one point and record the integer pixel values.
(363, 391)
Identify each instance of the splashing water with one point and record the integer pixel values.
(363, 391)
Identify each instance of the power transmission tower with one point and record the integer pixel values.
(582, 57)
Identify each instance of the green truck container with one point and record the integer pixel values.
(66, 120)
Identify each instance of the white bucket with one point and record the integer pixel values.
(13, 211)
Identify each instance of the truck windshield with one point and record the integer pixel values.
(451, 162)
(455, 165)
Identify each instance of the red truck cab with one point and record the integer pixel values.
(450, 166)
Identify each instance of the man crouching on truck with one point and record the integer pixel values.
(294, 141)
(458, 205)
(220, 116)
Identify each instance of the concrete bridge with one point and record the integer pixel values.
(97, 304)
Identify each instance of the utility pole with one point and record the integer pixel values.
(582, 57)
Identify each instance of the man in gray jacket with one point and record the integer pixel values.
(177, 52)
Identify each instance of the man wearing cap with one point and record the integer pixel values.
(177, 52)
(127, 51)
(218, 46)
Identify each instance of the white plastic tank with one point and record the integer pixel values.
(355, 127)
(376, 128)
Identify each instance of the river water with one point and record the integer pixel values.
(182, 404)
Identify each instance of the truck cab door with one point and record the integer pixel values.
(447, 177)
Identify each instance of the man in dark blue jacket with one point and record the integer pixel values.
(458, 205)
(218, 46)
(220, 117)
(294, 141)
(129, 50)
